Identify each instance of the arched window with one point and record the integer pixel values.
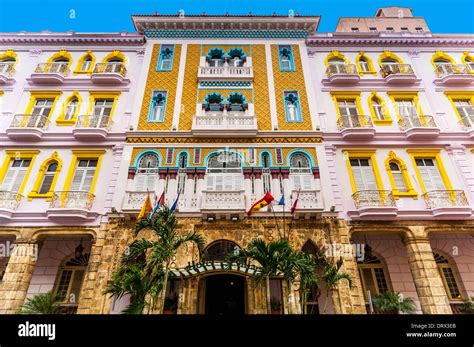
(292, 107)
(157, 107)
(218, 250)
(147, 173)
(373, 274)
(86, 64)
(214, 102)
(182, 175)
(48, 178)
(216, 57)
(71, 109)
(398, 177)
(224, 172)
(470, 63)
(236, 57)
(236, 102)
(266, 175)
(301, 176)
(379, 112)
(449, 275)
(70, 277)
(364, 64)
(390, 63)
(59, 65)
(286, 58)
(6, 65)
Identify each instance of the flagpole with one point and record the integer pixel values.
(276, 222)
(284, 221)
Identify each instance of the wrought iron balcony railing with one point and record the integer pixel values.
(396, 69)
(29, 121)
(452, 69)
(409, 122)
(9, 200)
(93, 121)
(57, 68)
(445, 198)
(74, 199)
(226, 71)
(373, 198)
(341, 69)
(110, 68)
(354, 121)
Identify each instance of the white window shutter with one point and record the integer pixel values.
(8, 180)
(358, 178)
(219, 183)
(150, 182)
(89, 176)
(369, 178)
(77, 180)
(426, 177)
(18, 180)
(436, 179)
(140, 182)
(296, 179)
(399, 181)
(210, 182)
(307, 182)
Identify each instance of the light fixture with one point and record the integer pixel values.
(210, 219)
(234, 218)
(78, 250)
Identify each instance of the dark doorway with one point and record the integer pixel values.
(225, 295)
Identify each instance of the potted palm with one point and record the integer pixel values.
(275, 305)
(467, 306)
(393, 303)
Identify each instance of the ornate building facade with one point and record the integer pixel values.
(370, 128)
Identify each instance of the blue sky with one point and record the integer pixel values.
(453, 16)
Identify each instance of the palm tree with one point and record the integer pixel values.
(146, 264)
(45, 303)
(331, 277)
(393, 303)
(274, 258)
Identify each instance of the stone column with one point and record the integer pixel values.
(247, 188)
(258, 184)
(172, 187)
(275, 185)
(200, 186)
(18, 275)
(428, 282)
(189, 189)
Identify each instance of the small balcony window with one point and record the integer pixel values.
(157, 107)
(419, 30)
(373, 29)
(286, 58)
(165, 62)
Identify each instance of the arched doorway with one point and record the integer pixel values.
(223, 294)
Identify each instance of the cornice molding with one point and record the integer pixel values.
(132, 39)
(390, 41)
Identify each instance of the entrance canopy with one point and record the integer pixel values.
(194, 269)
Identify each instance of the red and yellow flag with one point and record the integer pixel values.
(265, 201)
(146, 208)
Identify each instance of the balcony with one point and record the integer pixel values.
(27, 127)
(342, 74)
(109, 73)
(241, 73)
(92, 127)
(418, 127)
(70, 206)
(9, 202)
(223, 203)
(50, 73)
(398, 74)
(309, 202)
(6, 72)
(467, 123)
(224, 124)
(133, 201)
(447, 203)
(374, 203)
(356, 127)
(453, 74)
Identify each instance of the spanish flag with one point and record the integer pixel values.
(265, 201)
(146, 208)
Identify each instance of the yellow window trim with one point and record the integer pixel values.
(84, 154)
(372, 267)
(61, 54)
(430, 154)
(388, 119)
(94, 95)
(445, 284)
(34, 192)
(10, 54)
(115, 55)
(362, 154)
(452, 96)
(467, 57)
(34, 95)
(337, 55)
(441, 55)
(78, 70)
(68, 122)
(389, 55)
(369, 61)
(392, 157)
(347, 95)
(18, 154)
